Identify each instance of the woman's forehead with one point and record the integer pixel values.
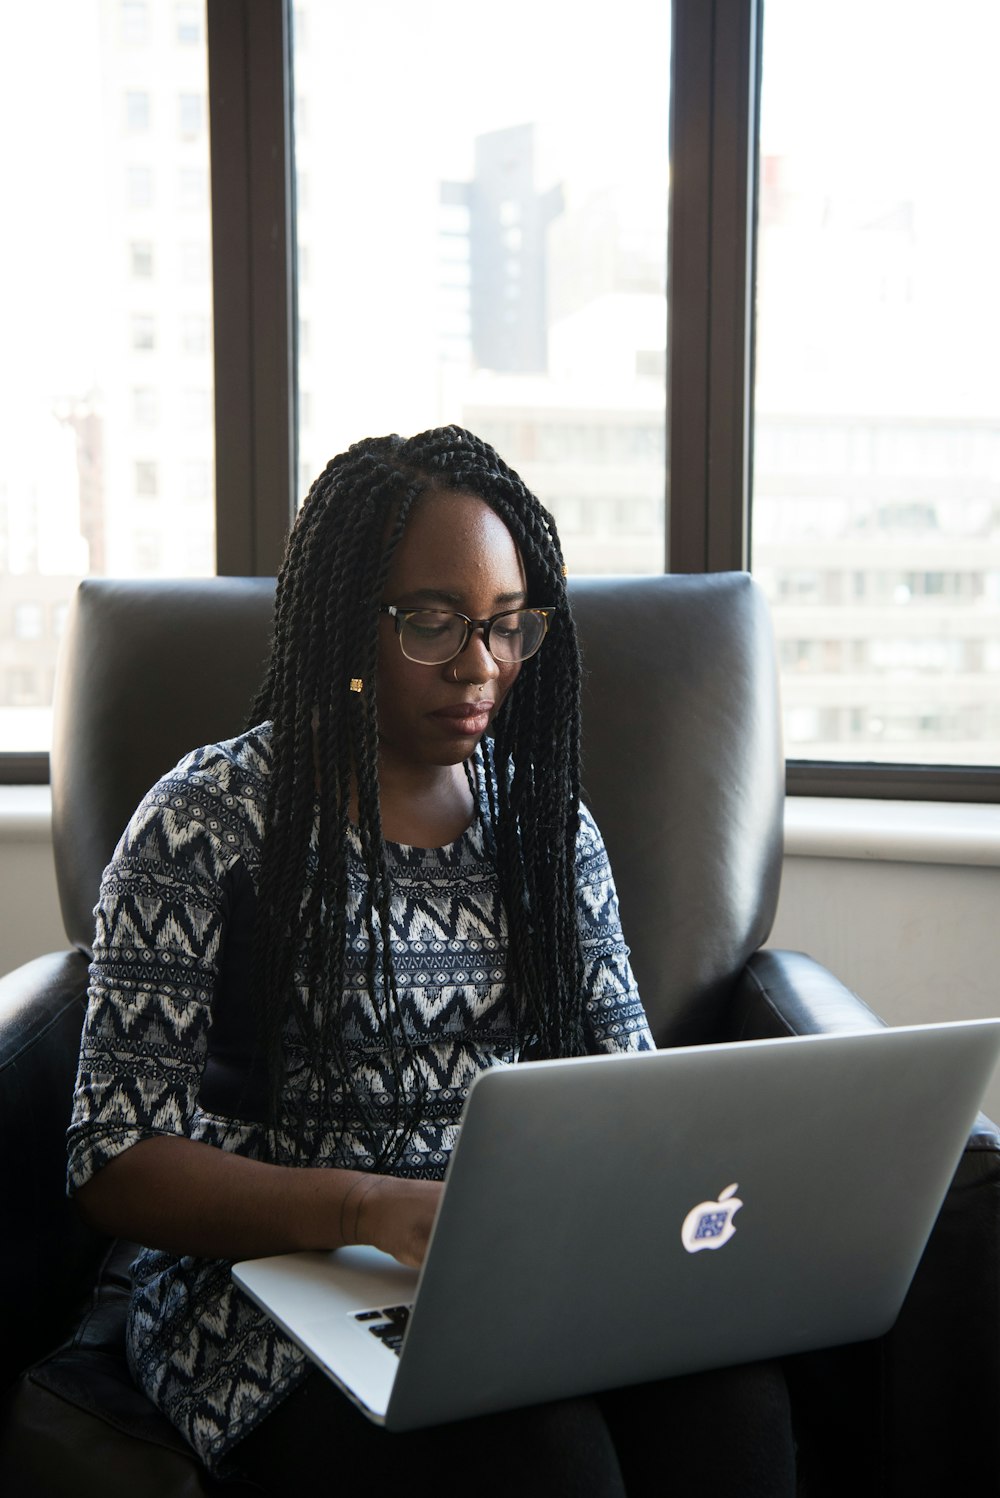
(453, 541)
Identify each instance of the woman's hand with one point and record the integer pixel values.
(392, 1214)
(187, 1197)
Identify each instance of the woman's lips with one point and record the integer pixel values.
(465, 719)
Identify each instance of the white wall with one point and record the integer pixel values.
(902, 903)
(30, 921)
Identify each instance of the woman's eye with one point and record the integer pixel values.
(430, 626)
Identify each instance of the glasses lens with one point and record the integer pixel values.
(516, 636)
(430, 637)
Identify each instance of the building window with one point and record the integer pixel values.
(134, 22)
(147, 553)
(188, 22)
(196, 480)
(194, 263)
(143, 331)
(29, 621)
(146, 479)
(196, 408)
(190, 115)
(192, 188)
(137, 111)
(195, 333)
(139, 186)
(145, 407)
(141, 259)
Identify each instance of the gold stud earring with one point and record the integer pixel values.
(357, 683)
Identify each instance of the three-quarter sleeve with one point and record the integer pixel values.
(159, 933)
(615, 1014)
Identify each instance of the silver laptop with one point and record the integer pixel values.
(615, 1219)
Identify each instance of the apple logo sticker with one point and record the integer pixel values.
(710, 1224)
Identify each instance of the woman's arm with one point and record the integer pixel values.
(187, 1197)
(165, 914)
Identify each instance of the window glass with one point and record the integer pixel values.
(105, 305)
(876, 487)
(482, 240)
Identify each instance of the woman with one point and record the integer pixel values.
(312, 938)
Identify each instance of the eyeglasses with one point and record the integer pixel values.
(433, 636)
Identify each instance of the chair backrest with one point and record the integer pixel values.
(682, 752)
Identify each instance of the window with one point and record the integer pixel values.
(134, 21)
(93, 422)
(876, 485)
(190, 112)
(145, 406)
(143, 336)
(192, 188)
(146, 479)
(139, 186)
(28, 621)
(531, 275)
(188, 21)
(194, 262)
(196, 481)
(141, 259)
(195, 331)
(137, 112)
(829, 483)
(196, 408)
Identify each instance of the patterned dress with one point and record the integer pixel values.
(167, 1045)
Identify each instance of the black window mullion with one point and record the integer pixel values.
(710, 281)
(249, 57)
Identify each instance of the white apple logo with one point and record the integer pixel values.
(710, 1224)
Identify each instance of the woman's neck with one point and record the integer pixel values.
(425, 807)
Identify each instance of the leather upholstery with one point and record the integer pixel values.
(683, 769)
(147, 671)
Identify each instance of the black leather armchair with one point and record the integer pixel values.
(683, 769)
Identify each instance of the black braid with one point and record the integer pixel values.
(325, 634)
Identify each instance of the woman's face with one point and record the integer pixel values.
(455, 553)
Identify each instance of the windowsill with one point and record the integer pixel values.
(815, 827)
(892, 831)
(25, 813)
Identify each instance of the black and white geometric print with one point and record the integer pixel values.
(176, 890)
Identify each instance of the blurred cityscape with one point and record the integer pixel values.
(529, 304)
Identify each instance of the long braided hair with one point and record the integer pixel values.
(325, 741)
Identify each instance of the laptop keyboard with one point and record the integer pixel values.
(388, 1324)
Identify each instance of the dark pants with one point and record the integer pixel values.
(724, 1433)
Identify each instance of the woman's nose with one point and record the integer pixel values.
(475, 663)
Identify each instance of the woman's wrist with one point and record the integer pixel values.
(356, 1209)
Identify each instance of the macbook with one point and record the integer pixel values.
(610, 1220)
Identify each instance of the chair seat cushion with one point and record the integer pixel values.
(75, 1424)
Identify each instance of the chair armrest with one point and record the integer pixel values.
(35, 995)
(787, 993)
(47, 1255)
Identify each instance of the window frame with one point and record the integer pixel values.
(715, 102)
(716, 65)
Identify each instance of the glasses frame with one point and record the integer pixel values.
(400, 617)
